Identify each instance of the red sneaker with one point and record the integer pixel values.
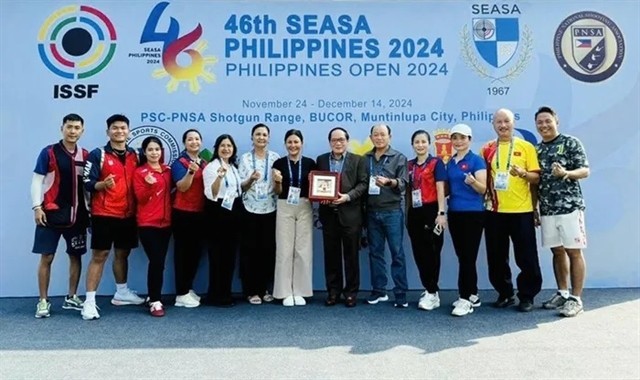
(156, 309)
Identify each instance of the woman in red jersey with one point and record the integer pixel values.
(188, 217)
(152, 189)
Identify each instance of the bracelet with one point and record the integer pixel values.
(191, 172)
(36, 207)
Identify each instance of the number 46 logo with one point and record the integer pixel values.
(172, 46)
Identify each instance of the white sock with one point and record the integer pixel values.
(121, 288)
(564, 293)
(90, 297)
(577, 299)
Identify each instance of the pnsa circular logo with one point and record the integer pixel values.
(76, 42)
(171, 149)
(589, 46)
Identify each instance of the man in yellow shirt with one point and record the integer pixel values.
(512, 165)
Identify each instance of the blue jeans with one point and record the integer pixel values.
(387, 226)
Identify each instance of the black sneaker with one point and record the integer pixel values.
(376, 297)
(401, 301)
(503, 302)
(525, 306)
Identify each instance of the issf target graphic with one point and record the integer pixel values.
(77, 42)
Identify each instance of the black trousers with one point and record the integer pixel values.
(155, 242)
(426, 245)
(257, 252)
(223, 227)
(188, 233)
(341, 244)
(520, 228)
(465, 228)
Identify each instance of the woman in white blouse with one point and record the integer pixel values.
(222, 188)
(258, 243)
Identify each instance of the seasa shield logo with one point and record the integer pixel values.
(589, 50)
(496, 39)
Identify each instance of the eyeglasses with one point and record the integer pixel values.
(340, 140)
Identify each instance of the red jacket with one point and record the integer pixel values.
(193, 199)
(154, 200)
(117, 202)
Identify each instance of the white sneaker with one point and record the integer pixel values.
(194, 295)
(475, 301)
(126, 297)
(299, 301)
(463, 307)
(288, 301)
(429, 301)
(90, 311)
(186, 301)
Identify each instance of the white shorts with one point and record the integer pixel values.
(566, 230)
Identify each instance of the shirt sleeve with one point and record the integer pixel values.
(578, 154)
(479, 163)
(440, 171)
(92, 170)
(141, 189)
(178, 170)
(402, 175)
(42, 162)
(209, 176)
(532, 158)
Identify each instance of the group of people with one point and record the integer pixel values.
(258, 204)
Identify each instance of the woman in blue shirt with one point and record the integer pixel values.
(467, 179)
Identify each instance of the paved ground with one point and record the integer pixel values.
(315, 342)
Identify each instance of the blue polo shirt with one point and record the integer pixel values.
(462, 197)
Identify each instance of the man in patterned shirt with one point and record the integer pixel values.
(563, 162)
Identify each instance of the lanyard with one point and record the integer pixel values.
(498, 154)
(372, 166)
(416, 180)
(235, 175)
(266, 164)
(291, 173)
(339, 164)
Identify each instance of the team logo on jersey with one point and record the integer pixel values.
(589, 46)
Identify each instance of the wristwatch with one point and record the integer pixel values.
(440, 213)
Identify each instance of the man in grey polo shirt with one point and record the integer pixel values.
(385, 220)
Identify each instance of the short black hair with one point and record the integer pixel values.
(184, 135)
(380, 125)
(346, 134)
(294, 132)
(260, 125)
(115, 118)
(545, 109)
(72, 117)
(421, 132)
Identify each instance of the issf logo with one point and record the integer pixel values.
(190, 67)
(76, 42)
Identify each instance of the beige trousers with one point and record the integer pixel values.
(294, 250)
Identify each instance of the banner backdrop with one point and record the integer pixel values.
(222, 67)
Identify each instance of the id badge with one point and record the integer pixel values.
(502, 181)
(294, 196)
(373, 188)
(416, 198)
(261, 191)
(227, 201)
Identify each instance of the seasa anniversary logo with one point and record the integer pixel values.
(495, 45)
(188, 68)
(75, 43)
(170, 147)
(589, 46)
